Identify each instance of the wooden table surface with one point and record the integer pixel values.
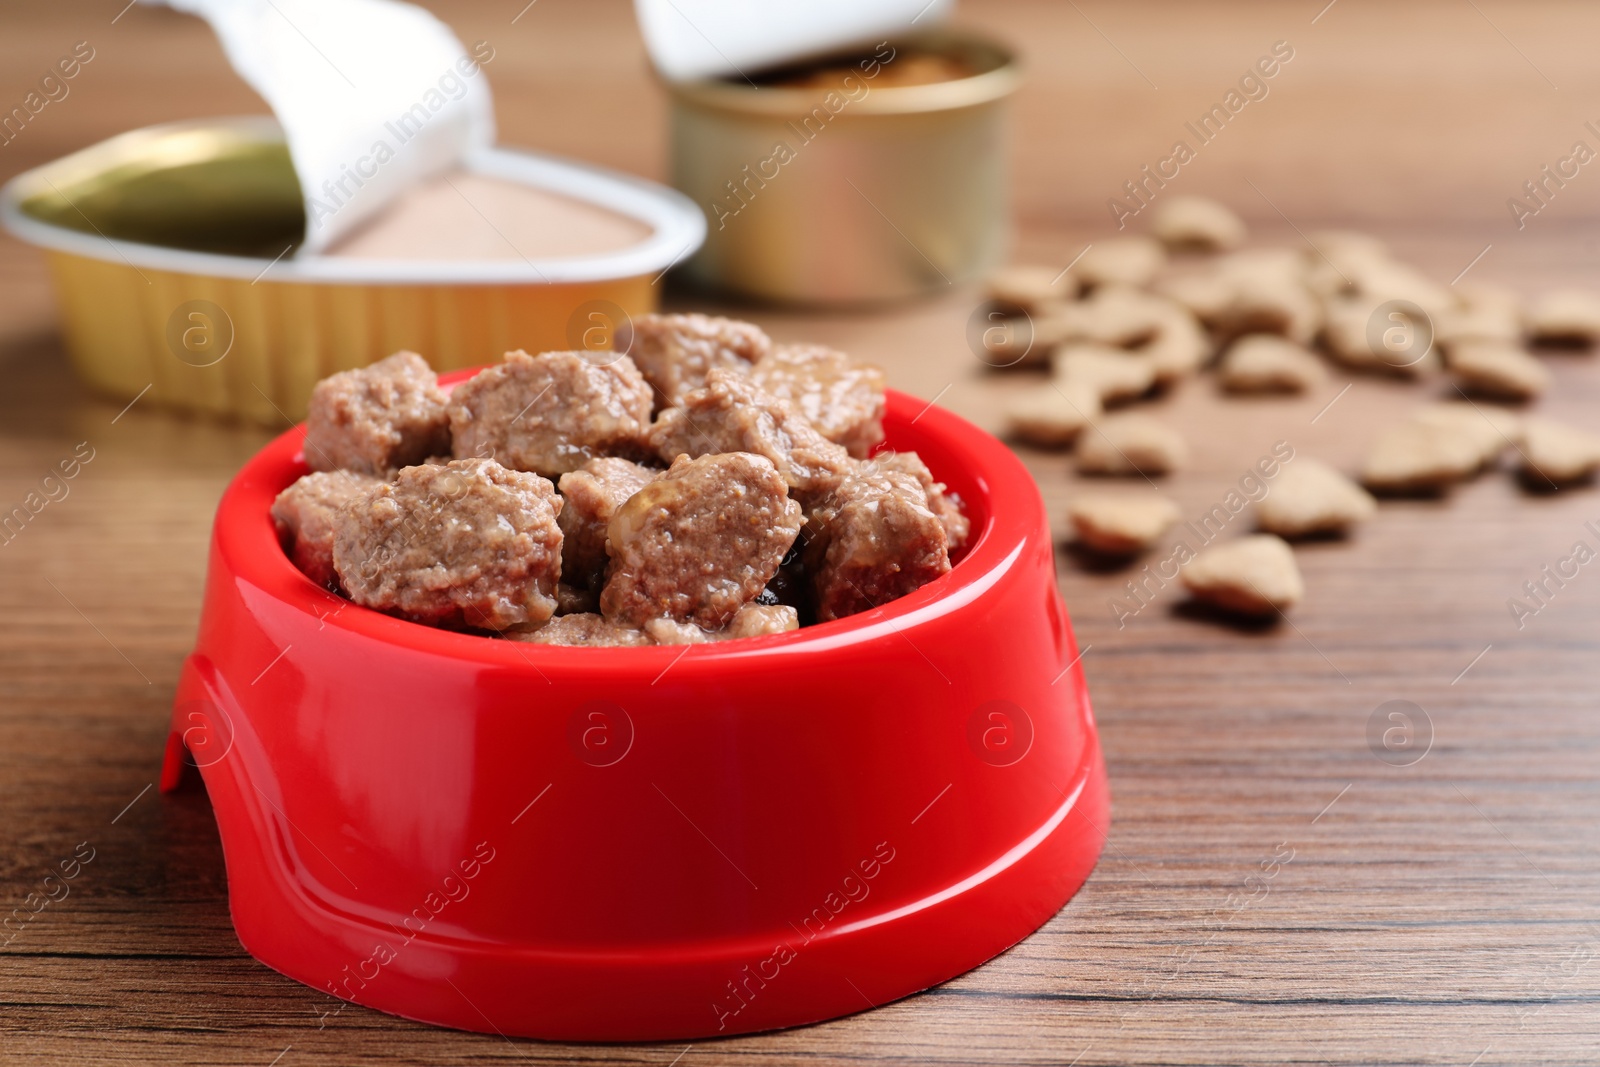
(1446, 912)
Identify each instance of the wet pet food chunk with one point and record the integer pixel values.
(700, 541)
(592, 495)
(877, 540)
(586, 631)
(306, 517)
(752, 620)
(1121, 524)
(841, 398)
(1312, 498)
(468, 543)
(733, 414)
(551, 413)
(1255, 575)
(1556, 453)
(676, 352)
(377, 419)
(943, 503)
(1264, 363)
(1197, 223)
(1130, 445)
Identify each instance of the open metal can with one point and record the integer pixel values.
(170, 248)
(865, 190)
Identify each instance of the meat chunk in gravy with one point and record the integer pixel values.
(676, 352)
(843, 399)
(733, 414)
(943, 503)
(377, 419)
(551, 413)
(585, 630)
(699, 542)
(468, 543)
(592, 495)
(874, 539)
(306, 517)
(752, 620)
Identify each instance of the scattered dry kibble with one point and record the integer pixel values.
(1568, 316)
(1131, 261)
(1554, 453)
(1031, 289)
(1053, 415)
(1121, 524)
(1110, 373)
(1197, 223)
(1421, 458)
(1254, 575)
(1310, 498)
(1130, 444)
(1498, 369)
(1492, 430)
(1266, 363)
(1362, 336)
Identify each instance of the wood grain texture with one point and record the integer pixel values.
(1443, 913)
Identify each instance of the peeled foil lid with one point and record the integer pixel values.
(689, 40)
(373, 96)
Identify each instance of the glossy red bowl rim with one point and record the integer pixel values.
(1010, 511)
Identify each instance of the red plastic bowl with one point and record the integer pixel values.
(646, 843)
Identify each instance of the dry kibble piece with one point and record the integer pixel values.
(1114, 315)
(377, 419)
(1054, 414)
(584, 630)
(1110, 373)
(1312, 498)
(1558, 453)
(1482, 312)
(1567, 316)
(1131, 261)
(1491, 429)
(752, 620)
(1197, 223)
(592, 495)
(843, 399)
(1363, 335)
(676, 352)
(1255, 575)
(1497, 369)
(306, 515)
(1031, 289)
(1130, 444)
(1420, 457)
(551, 413)
(464, 543)
(1121, 524)
(1266, 363)
(1179, 348)
(700, 541)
